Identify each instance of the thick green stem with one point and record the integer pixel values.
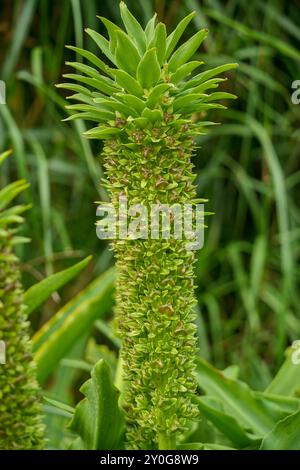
(166, 442)
(155, 295)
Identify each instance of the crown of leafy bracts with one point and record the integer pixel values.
(147, 78)
(10, 216)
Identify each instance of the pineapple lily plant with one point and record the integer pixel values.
(20, 409)
(148, 112)
(151, 388)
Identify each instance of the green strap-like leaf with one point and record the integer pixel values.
(210, 84)
(133, 101)
(111, 29)
(99, 113)
(86, 69)
(95, 117)
(67, 409)
(81, 98)
(10, 219)
(186, 100)
(98, 83)
(117, 106)
(156, 93)
(40, 292)
(75, 87)
(152, 114)
(219, 95)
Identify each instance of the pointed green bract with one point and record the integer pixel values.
(102, 43)
(204, 76)
(133, 28)
(127, 82)
(150, 27)
(187, 50)
(112, 31)
(159, 41)
(185, 70)
(156, 94)
(148, 71)
(177, 33)
(127, 56)
(148, 145)
(91, 58)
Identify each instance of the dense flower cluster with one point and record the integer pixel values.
(20, 410)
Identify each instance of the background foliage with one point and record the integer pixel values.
(248, 168)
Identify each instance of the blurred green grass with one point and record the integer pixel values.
(248, 168)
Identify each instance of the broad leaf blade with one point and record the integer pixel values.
(228, 425)
(98, 419)
(238, 400)
(285, 435)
